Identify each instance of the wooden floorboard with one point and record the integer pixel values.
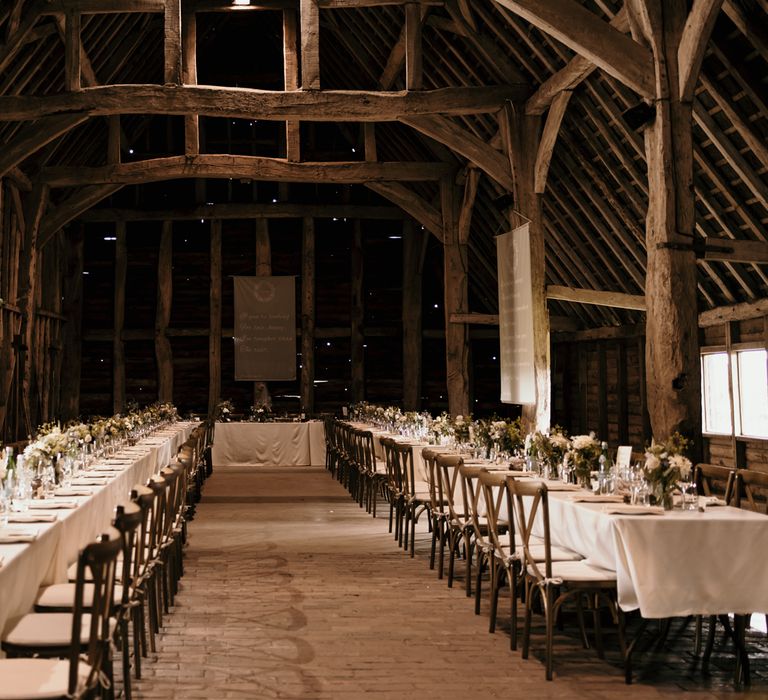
(292, 591)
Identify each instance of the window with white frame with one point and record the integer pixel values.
(734, 390)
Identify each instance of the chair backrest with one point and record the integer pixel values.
(393, 472)
(451, 488)
(100, 557)
(437, 501)
(751, 490)
(367, 451)
(403, 453)
(529, 496)
(128, 520)
(501, 531)
(713, 479)
(143, 497)
(159, 509)
(470, 493)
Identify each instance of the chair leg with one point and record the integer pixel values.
(441, 550)
(513, 575)
(549, 618)
(433, 549)
(527, 623)
(126, 649)
(481, 561)
(497, 574)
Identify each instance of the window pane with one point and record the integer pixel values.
(753, 392)
(716, 400)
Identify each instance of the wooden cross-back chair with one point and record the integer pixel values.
(715, 480)
(480, 544)
(459, 526)
(439, 512)
(416, 498)
(750, 490)
(556, 582)
(375, 476)
(91, 631)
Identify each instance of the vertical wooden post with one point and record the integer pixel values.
(456, 274)
(28, 287)
(521, 133)
(163, 351)
(413, 255)
(214, 338)
(357, 315)
(189, 76)
(310, 44)
(291, 80)
(172, 43)
(413, 53)
(118, 346)
(73, 312)
(263, 269)
(308, 315)
(672, 347)
(72, 67)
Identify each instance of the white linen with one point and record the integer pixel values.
(28, 566)
(269, 444)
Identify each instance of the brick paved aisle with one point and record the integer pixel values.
(291, 591)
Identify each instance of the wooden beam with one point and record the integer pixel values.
(411, 203)
(291, 80)
(19, 38)
(32, 137)
(349, 4)
(548, 140)
(481, 319)
(414, 241)
(308, 316)
(247, 211)
(214, 339)
(72, 207)
(616, 300)
(357, 314)
(726, 249)
(172, 42)
(242, 167)
(247, 103)
(72, 52)
(28, 288)
(476, 150)
(163, 351)
(189, 77)
(735, 312)
(118, 314)
(588, 35)
(468, 204)
(693, 44)
(73, 311)
(572, 74)
(310, 44)
(455, 280)
(413, 52)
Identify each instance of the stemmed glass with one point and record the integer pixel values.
(638, 486)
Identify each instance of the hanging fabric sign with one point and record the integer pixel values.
(513, 252)
(265, 328)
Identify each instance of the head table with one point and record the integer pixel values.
(272, 444)
(674, 564)
(24, 567)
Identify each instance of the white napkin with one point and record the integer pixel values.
(709, 501)
(555, 485)
(76, 491)
(17, 537)
(596, 498)
(90, 481)
(32, 518)
(627, 509)
(51, 504)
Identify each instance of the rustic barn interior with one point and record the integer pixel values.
(155, 149)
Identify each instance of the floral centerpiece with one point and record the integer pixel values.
(461, 431)
(441, 429)
(508, 437)
(224, 411)
(260, 414)
(549, 449)
(480, 434)
(583, 457)
(665, 466)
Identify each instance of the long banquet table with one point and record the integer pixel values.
(672, 565)
(24, 567)
(279, 443)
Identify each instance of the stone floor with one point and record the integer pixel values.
(292, 591)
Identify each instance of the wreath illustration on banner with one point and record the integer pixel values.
(264, 291)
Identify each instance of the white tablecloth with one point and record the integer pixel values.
(676, 564)
(269, 444)
(26, 567)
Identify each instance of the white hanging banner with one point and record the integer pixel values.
(265, 328)
(518, 380)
